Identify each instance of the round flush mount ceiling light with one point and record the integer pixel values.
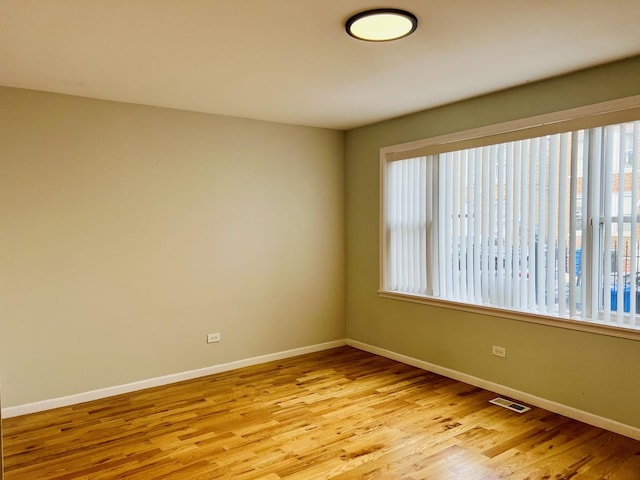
(381, 25)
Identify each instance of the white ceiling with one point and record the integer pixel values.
(291, 60)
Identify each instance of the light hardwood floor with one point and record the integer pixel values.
(341, 414)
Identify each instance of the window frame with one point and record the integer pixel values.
(615, 111)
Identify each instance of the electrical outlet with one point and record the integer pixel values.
(213, 338)
(499, 351)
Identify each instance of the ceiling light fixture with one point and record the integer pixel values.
(381, 25)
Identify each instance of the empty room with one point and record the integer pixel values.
(338, 239)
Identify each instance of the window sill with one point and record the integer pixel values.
(579, 325)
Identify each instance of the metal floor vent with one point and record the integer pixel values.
(516, 407)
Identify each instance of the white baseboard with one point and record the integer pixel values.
(159, 381)
(585, 417)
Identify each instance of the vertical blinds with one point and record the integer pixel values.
(406, 221)
(546, 225)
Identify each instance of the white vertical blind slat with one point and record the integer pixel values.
(523, 226)
(531, 241)
(605, 221)
(484, 232)
(573, 207)
(532, 232)
(553, 212)
(392, 254)
(464, 216)
(592, 265)
(562, 225)
(431, 219)
(417, 224)
(585, 227)
(500, 225)
(401, 228)
(509, 223)
(516, 222)
(541, 237)
(442, 233)
(634, 319)
(434, 254)
(454, 158)
(448, 164)
(423, 209)
(491, 233)
(408, 225)
(619, 266)
(477, 223)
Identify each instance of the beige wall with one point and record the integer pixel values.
(589, 372)
(128, 233)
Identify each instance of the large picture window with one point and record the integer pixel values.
(546, 223)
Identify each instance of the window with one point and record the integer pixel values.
(542, 219)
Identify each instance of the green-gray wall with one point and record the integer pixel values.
(593, 373)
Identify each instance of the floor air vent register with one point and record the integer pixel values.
(516, 407)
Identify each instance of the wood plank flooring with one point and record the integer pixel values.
(339, 414)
